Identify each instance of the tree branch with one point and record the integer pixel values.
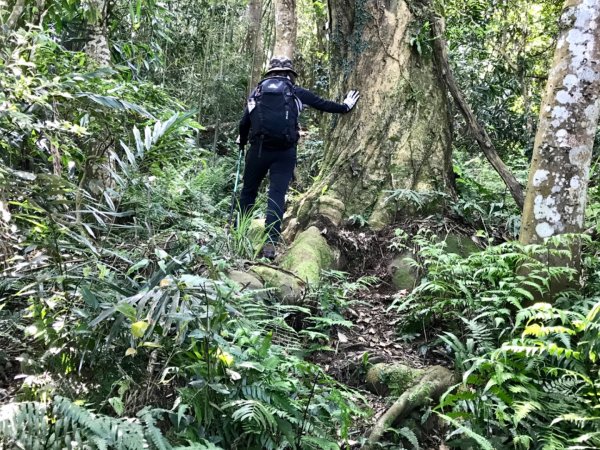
(483, 139)
(11, 23)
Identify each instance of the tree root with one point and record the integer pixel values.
(308, 256)
(432, 384)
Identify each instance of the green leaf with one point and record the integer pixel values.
(220, 388)
(117, 405)
(115, 103)
(266, 344)
(139, 328)
(127, 310)
(89, 298)
(138, 265)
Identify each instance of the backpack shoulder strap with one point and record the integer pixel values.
(297, 100)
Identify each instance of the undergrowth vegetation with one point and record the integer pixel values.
(115, 298)
(529, 369)
(120, 324)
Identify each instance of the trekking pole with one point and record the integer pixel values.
(235, 186)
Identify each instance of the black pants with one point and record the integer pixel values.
(279, 164)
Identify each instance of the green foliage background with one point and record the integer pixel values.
(119, 325)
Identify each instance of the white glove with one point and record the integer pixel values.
(351, 99)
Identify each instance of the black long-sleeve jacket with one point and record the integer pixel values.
(307, 98)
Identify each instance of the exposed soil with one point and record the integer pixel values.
(374, 337)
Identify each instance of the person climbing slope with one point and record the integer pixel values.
(270, 123)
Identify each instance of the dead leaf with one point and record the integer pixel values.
(342, 338)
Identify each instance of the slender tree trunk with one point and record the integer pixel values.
(254, 41)
(15, 15)
(398, 136)
(560, 168)
(478, 131)
(97, 47)
(285, 28)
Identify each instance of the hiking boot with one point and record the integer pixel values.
(268, 251)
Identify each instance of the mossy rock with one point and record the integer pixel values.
(257, 232)
(308, 256)
(460, 244)
(383, 379)
(404, 275)
(287, 288)
(245, 280)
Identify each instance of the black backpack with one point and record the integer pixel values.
(274, 110)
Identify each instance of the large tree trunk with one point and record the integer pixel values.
(559, 173)
(254, 42)
(285, 28)
(97, 47)
(398, 136)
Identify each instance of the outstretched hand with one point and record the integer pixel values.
(239, 143)
(351, 99)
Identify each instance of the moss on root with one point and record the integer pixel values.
(308, 256)
(429, 384)
(396, 378)
(288, 288)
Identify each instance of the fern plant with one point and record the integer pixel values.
(479, 292)
(64, 424)
(535, 387)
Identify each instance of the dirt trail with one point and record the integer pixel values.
(374, 336)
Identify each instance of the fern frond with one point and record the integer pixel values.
(24, 423)
(410, 436)
(252, 411)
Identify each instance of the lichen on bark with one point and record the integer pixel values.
(560, 167)
(285, 28)
(97, 46)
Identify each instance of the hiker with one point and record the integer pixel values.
(271, 121)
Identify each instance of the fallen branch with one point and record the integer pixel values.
(273, 266)
(483, 139)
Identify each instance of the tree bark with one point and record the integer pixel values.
(476, 129)
(254, 42)
(398, 135)
(97, 47)
(39, 16)
(562, 154)
(15, 15)
(285, 28)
